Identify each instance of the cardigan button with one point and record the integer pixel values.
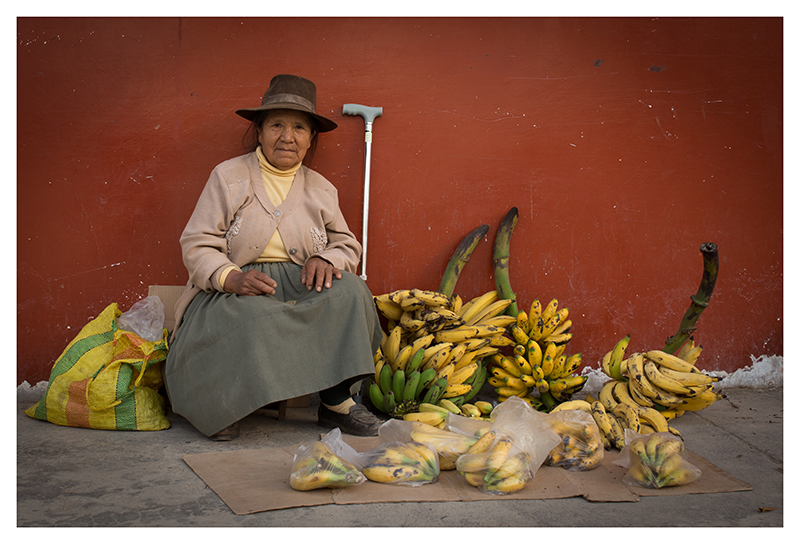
(277, 212)
(293, 251)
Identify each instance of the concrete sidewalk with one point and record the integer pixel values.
(71, 477)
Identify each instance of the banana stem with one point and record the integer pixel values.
(502, 245)
(459, 259)
(700, 300)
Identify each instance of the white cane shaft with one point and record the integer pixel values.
(365, 215)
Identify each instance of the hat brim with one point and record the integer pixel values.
(323, 123)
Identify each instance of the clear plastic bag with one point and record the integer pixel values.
(581, 446)
(447, 444)
(316, 466)
(409, 463)
(656, 460)
(510, 451)
(145, 318)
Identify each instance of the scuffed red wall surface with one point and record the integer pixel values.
(625, 143)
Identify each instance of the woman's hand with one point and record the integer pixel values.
(251, 283)
(318, 272)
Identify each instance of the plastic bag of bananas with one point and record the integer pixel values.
(581, 446)
(656, 460)
(316, 466)
(409, 463)
(510, 450)
(447, 444)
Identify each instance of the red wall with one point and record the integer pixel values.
(625, 143)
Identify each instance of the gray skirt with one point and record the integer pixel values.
(234, 354)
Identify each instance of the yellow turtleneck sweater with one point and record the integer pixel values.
(277, 183)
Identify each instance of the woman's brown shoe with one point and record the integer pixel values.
(359, 422)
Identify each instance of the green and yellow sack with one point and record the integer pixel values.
(106, 378)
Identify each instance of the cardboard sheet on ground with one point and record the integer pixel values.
(257, 480)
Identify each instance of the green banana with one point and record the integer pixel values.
(415, 361)
(425, 379)
(459, 259)
(410, 390)
(389, 401)
(399, 384)
(502, 243)
(385, 379)
(438, 387)
(481, 376)
(376, 396)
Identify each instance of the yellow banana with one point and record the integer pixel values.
(668, 360)
(654, 418)
(403, 356)
(605, 364)
(564, 326)
(523, 364)
(470, 410)
(501, 321)
(660, 380)
(434, 419)
(462, 374)
(600, 416)
(484, 443)
(511, 391)
(549, 310)
(701, 401)
(693, 355)
(622, 394)
(492, 310)
(445, 372)
(617, 356)
(688, 379)
(484, 406)
(431, 298)
(391, 310)
(457, 334)
(534, 353)
(428, 407)
(456, 390)
(410, 323)
(456, 302)
(392, 346)
(617, 432)
(548, 358)
(536, 310)
(572, 364)
(498, 455)
(576, 404)
(506, 364)
(522, 321)
(435, 351)
(606, 396)
(636, 393)
(628, 416)
(477, 305)
(558, 367)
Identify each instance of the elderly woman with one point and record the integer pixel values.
(273, 308)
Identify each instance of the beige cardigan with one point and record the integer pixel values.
(234, 220)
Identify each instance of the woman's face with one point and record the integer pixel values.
(285, 137)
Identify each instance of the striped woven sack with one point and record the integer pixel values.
(106, 378)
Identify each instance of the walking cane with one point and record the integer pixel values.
(369, 114)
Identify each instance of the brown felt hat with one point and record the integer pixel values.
(288, 92)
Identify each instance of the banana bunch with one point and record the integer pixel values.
(544, 324)
(647, 390)
(409, 463)
(318, 467)
(543, 378)
(435, 347)
(581, 447)
(449, 445)
(492, 464)
(435, 415)
(658, 461)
